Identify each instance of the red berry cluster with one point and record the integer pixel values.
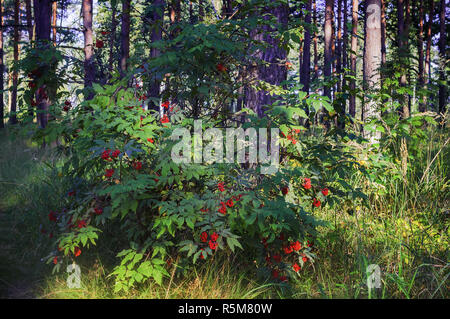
(291, 250)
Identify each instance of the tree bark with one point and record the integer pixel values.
(42, 16)
(89, 67)
(339, 46)
(2, 68)
(29, 19)
(275, 72)
(345, 40)
(443, 58)
(383, 32)
(54, 16)
(306, 63)
(372, 60)
(112, 39)
(426, 71)
(354, 48)
(403, 30)
(157, 19)
(125, 37)
(328, 33)
(421, 53)
(15, 75)
(316, 56)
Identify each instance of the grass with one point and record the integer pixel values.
(405, 232)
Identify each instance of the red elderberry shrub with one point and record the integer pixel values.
(296, 267)
(81, 224)
(230, 203)
(204, 237)
(296, 246)
(285, 190)
(214, 236)
(115, 153)
(52, 216)
(77, 252)
(305, 259)
(165, 119)
(288, 250)
(221, 186)
(220, 67)
(165, 104)
(137, 165)
(99, 44)
(213, 245)
(98, 210)
(55, 260)
(275, 273)
(277, 258)
(109, 172)
(316, 202)
(307, 183)
(325, 191)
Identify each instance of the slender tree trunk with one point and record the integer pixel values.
(112, 39)
(125, 37)
(89, 67)
(29, 19)
(306, 63)
(345, 40)
(226, 9)
(372, 60)
(316, 56)
(403, 29)
(201, 10)
(157, 18)
(2, 68)
(42, 16)
(15, 74)
(420, 51)
(339, 46)
(383, 32)
(54, 16)
(328, 33)
(426, 71)
(275, 72)
(443, 58)
(354, 49)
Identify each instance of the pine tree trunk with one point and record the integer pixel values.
(157, 19)
(2, 68)
(125, 37)
(372, 60)
(54, 16)
(89, 67)
(15, 75)
(383, 32)
(345, 42)
(112, 39)
(420, 51)
(42, 17)
(29, 19)
(443, 58)
(316, 55)
(426, 71)
(275, 72)
(339, 46)
(328, 33)
(354, 48)
(306, 63)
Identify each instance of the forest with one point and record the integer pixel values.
(224, 149)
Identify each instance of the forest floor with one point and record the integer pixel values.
(412, 251)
